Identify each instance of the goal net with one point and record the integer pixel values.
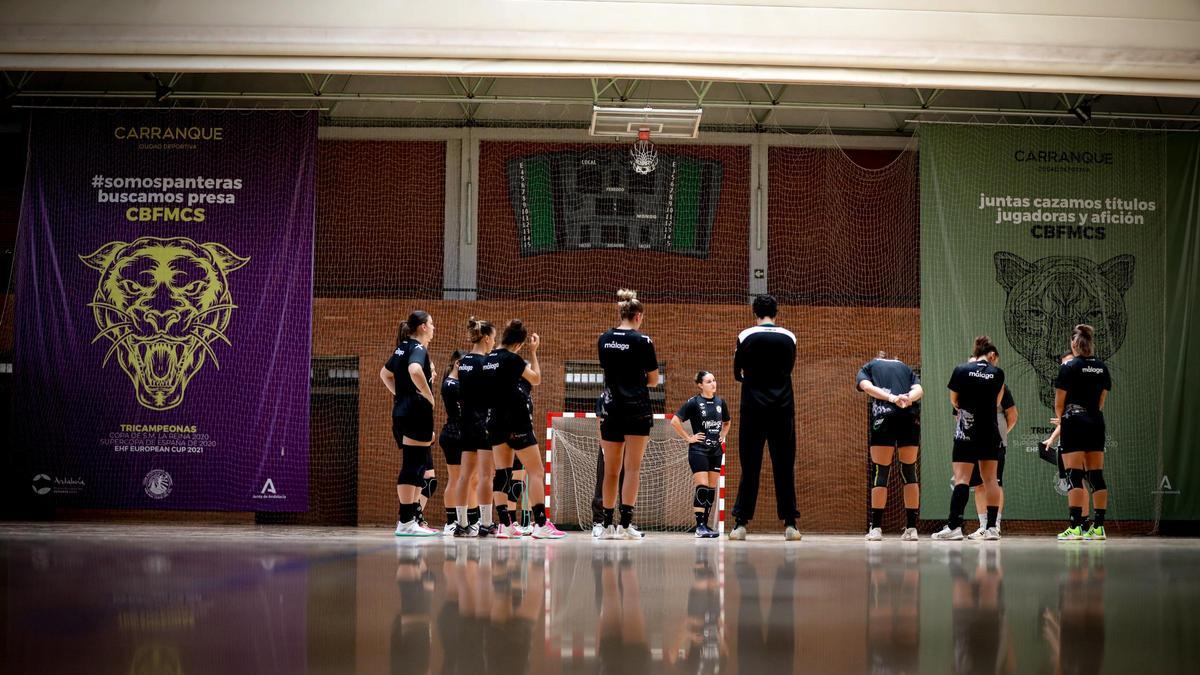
(573, 465)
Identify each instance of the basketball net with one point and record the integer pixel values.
(643, 154)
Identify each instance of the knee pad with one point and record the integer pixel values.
(516, 488)
(1096, 478)
(500, 480)
(908, 472)
(430, 487)
(412, 467)
(703, 498)
(1075, 476)
(879, 476)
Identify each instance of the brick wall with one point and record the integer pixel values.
(831, 427)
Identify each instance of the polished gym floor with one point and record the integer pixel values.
(160, 599)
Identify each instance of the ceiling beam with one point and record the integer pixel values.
(462, 98)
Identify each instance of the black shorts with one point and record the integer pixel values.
(896, 431)
(971, 452)
(626, 419)
(451, 440)
(513, 428)
(413, 417)
(473, 426)
(703, 459)
(517, 464)
(1082, 432)
(977, 478)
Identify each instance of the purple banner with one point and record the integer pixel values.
(164, 301)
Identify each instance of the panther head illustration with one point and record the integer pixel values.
(1049, 296)
(162, 303)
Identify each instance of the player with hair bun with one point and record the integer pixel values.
(1080, 392)
(510, 428)
(630, 369)
(709, 415)
(473, 490)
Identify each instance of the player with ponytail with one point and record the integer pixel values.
(408, 375)
(709, 416)
(976, 389)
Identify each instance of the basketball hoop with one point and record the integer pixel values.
(643, 154)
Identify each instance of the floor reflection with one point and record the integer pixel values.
(1074, 629)
(893, 611)
(306, 604)
(982, 643)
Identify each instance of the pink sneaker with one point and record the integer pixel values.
(515, 531)
(547, 531)
(502, 532)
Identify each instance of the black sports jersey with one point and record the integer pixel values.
(763, 363)
(409, 352)
(707, 416)
(626, 355)
(892, 376)
(505, 370)
(1083, 378)
(452, 398)
(473, 383)
(978, 384)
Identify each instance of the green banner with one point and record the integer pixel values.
(1026, 232)
(1179, 485)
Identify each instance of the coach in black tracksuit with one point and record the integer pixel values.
(763, 364)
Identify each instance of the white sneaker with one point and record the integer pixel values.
(991, 534)
(526, 530)
(473, 529)
(610, 532)
(448, 530)
(792, 534)
(977, 534)
(516, 531)
(413, 529)
(947, 534)
(597, 530)
(630, 532)
(738, 533)
(875, 534)
(910, 534)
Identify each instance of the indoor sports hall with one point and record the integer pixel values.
(583, 336)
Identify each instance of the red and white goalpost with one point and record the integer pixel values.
(665, 496)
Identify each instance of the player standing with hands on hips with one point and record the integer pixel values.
(763, 363)
(709, 415)
(407, 375)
